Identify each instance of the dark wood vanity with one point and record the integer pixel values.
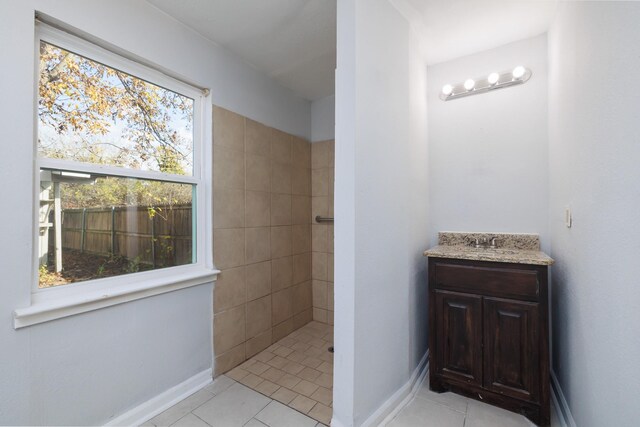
(489, 333)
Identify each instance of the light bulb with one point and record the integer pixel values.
(447, 89)
(469, 84)
(518, 72)
(493, 78)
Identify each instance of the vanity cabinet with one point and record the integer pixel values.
(489, 333)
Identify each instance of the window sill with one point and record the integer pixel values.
(52, 309)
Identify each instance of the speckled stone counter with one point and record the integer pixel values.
(511, 247)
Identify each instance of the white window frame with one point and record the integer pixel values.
(55, 302)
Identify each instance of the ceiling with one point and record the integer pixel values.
(454, 28)
(294, 41)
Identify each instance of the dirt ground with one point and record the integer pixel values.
(78, 267)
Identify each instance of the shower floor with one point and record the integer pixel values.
(296, 371)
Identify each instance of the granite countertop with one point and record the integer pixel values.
(512, 248)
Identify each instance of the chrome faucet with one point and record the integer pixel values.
(481, 242)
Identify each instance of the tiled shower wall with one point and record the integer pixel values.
(262, 236)
(322, 182)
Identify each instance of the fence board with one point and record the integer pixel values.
(162, 239)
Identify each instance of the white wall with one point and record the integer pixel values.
(323, 119)
(488, 167)
(89, 368)
(594, 152)
(143, 30)
(380, 208)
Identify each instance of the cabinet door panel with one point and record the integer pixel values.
(459, 336)
(511, 348)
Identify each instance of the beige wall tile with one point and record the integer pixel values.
(320, 294)
(330, 206)
(332, 153)
(330, 317)
(282, 303)
(258, 209)
(281, 273)
(280, 177)
(228, 129)
(282, 330)
(300, 180)
(258, 280)
(301, 319)
(300, 239)
(258, 247)
(257, 138)
(226, 361)
(230, 290)
(300, 209)
(229, 329)
(258, 316)
(228, 247)
(319, 206)
(319, 237)
(228, 168)
(320, 182)
(258, 343)
(302, 297)
(320, 315)
(330, 239)
(281, 241)
(319, 265)
(258, 173)
(280, 209)
(319, 155)
(228, 208)
(330, 267)
(332, 181)
(330, 296)
(302, 267)
(281, 146)
(301, 152)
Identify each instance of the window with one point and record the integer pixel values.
(119, 163)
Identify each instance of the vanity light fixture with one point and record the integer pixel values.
(469, 84)
(518, 72)
(517, 76)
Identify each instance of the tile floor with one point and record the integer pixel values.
(429, 409)
(288, 384)
(297, 371)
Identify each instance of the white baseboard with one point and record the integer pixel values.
(560, 403)
(389, 409)
(163, 401)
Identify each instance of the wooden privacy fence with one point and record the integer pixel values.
(160, 239)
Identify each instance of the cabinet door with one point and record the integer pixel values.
(511, 348)
(459, 336)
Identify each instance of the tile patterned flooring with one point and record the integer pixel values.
(290, 385)
(429, 409)
(297, 371)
